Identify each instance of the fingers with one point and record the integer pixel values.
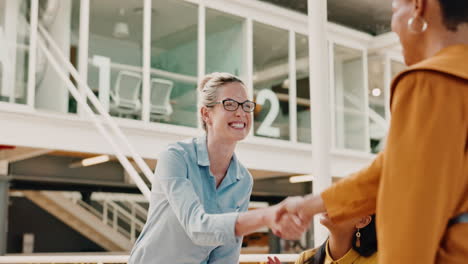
(274, 260)
(290, 227)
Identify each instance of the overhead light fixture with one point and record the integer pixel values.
(90, 161)
(121, 29)
(301, 178)
(376, 92)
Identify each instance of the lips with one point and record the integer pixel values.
(237, 125)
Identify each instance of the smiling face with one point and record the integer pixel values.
(229, 126)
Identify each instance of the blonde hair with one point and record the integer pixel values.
(209, 86)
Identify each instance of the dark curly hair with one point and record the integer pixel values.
(454, 13)
(368, 244)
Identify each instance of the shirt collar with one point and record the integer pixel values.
(202, 151)
(349, 258)
(204, 160)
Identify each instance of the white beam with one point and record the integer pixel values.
(317, 23)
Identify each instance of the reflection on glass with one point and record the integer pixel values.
(115, 36)
(349, 101)
(377, 99)
(174, 62)
(303, 91)
(14, 45)
(224, 43)
(271, 82)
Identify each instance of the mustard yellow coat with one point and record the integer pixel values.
(420, 180)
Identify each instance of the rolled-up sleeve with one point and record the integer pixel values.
(355, 195)
(203, 229)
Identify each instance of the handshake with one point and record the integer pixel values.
(291, 218)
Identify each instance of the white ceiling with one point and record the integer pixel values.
(371, 16)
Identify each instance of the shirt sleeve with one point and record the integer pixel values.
(422, 180)
(203, 229)
(355, 195)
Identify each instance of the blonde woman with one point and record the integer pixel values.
(200, 193)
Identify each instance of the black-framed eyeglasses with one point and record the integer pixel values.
(233, 105)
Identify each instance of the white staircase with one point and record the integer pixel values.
(112, 224)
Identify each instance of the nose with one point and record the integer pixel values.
(239, 111)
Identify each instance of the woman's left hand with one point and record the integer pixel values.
(274, 260)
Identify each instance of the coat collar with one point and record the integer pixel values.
(451, 60)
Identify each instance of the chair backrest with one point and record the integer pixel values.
(128, 88)
(160, 95)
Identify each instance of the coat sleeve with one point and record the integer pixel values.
(355, 195)
(422, 176)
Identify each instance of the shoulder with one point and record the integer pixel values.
(428, 82)
(304, 256)
(179, 150)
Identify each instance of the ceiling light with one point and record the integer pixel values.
(90, 161)
(121, 29)
(301, 178)
(95, 160)
(376, 92)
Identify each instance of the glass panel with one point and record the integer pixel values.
(174, 62)
(303, 91)
(224, 43)
(349, 101)
(271, 83)
(377, 100)
(396, 67)
(115, 53)
(14, 48)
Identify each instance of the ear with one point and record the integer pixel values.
(205, 114)
(363, 222)
(419, 7)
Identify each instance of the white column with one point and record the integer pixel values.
(201, 51)
(32, 53)
(83, 47)
(320, 117)
(292, 87)
(146, 94)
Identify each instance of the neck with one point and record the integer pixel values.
(337, 246)
(220, 154)
(444, 38)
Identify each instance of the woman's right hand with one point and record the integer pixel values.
(274, 260)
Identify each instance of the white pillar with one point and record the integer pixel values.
(52, 94)
(83, 47)
(320, 115)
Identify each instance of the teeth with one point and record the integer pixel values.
(237, 125)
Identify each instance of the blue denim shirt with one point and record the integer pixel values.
(189, 219)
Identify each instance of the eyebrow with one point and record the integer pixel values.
(234, 100)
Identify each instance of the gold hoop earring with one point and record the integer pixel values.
(417, 24)
(358, 238)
